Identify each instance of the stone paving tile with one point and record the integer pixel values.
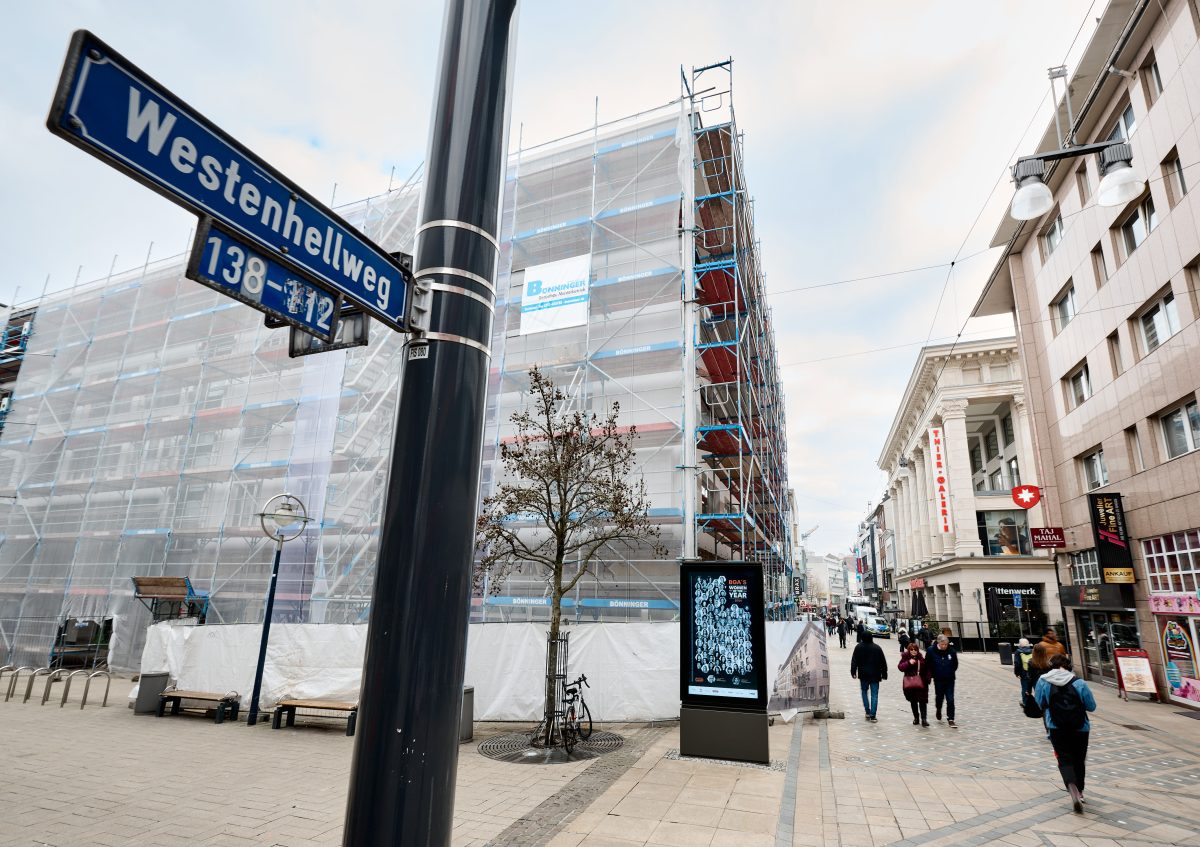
(105, 777)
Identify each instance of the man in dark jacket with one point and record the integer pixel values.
(903, 638)
(943, 664)
(869, 666)
(841, 631)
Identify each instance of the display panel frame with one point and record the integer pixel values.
(691, 577)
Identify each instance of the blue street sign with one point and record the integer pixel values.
(226, 263)
(110, 108)
(1017, 601)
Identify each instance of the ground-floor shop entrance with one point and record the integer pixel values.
(1101, 632)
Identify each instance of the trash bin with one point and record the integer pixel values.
(150, 688)
(1005, 653)
(466, 724)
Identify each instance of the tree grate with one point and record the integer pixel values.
(517, 748)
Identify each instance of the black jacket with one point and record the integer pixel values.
(942, 663)
(868, 662)
(903, 638)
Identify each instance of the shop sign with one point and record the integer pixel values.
(1095, 596)
(1112, 538)
(916, 583)
(1026, 496)
(1047, 537)
(1175, 604)
(1133, 672)
(941, 485)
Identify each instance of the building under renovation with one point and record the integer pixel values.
(151, 418)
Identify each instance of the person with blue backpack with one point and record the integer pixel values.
(1066, 700)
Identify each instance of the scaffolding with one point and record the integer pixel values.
(151, 417)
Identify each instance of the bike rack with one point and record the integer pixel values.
(12, 683)
(108, 684)
(32, 678)
(4, 670)
(51, 678)
(67, 686)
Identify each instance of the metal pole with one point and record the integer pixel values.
(402, 779)
(252, 715)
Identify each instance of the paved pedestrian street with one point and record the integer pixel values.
(107, 777)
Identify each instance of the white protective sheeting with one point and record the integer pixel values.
(633, 668)
(310, 661)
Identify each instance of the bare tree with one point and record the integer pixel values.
(566, 495)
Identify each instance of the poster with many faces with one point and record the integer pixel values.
(723, 641)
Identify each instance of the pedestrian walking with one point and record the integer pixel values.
(1021, 660)
(924, 636)
(916, 683)
(1066, 700)
(860, 631)
(943, 666)
(903, 638)
(869, 666)
(841, 631)
(1052, 645)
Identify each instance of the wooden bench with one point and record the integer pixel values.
(289, 707)
(225, 703)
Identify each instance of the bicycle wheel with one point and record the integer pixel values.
(569, 735)
(584, 723)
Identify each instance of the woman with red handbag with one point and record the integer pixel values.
(917, 674)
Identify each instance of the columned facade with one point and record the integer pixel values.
(967, 578)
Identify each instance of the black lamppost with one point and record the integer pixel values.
(284, 522)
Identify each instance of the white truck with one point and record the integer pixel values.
(861, 613)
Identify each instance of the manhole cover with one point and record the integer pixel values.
(516, 747)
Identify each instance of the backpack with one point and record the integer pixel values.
(1066, 707)
(1031, 707)
(1025, 657)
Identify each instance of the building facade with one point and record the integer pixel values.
(1105, 303)
(152, 418)
(960, 441)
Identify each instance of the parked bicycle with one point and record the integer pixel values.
(577, 718)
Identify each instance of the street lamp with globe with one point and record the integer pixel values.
(283, 519)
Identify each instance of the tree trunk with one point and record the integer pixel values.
(552, 664)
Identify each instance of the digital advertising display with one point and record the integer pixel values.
(722, 639)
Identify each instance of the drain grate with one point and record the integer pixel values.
(1195, 715)
(517, 748)
(1135, 726)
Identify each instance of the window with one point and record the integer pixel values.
(1151, 80)
(997, 481)
(1014, 473)
(1172, 170)
(1125, 125)
(1173, 562)
(1098, 266)
(1140, 223)
(1114, 355)
(1083, 184)
(1078, 386)
(1003, 533)
(1159, 323)
(1052, 236)
(1095, 473)
(976, 459)
(1181, 429)
(1133, 443)
(1085, 568)
(1064, 307)
(1006, 425)
(992, 446)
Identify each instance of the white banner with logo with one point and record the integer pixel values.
(556, 295)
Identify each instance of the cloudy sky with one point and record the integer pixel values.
(877, 133)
